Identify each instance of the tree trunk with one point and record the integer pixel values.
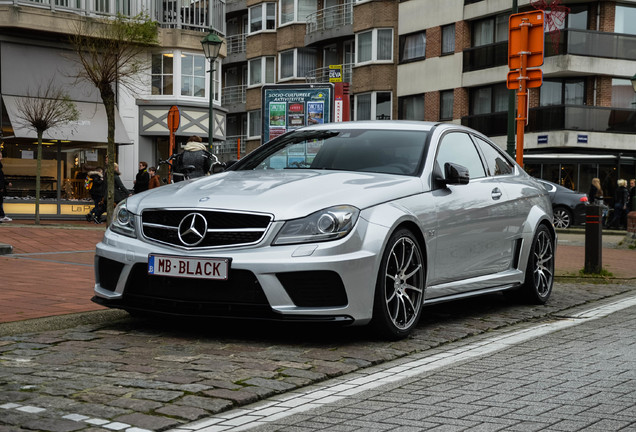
(108, 97)
(38, 171)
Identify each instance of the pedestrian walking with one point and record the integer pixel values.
(632, 195)
(3, 191)
(121, 192)
(595, 194)
(154, 178)
(95, 185)
(621, 196)
(142, 179)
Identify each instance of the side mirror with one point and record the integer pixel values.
(453, 174)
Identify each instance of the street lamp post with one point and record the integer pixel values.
(211, 47)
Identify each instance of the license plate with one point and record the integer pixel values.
(200, 268)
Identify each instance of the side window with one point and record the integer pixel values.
(458, 148)
(496, 162)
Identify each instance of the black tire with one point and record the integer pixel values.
(563, 218)
(540, 271)
(399, 290)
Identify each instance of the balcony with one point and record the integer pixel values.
(183, 14)
(560, 117)
(229, 149)
(190, 15)
(329, 23)
(233, 95)
(574, 42)
(321, 75)
(236, 43)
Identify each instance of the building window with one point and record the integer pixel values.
(625, 19)
(411, 107)
(448, 39)
(262, 17)
(296, 63)
(413, 47)
(373, 106)
(446, 105)
(490, 30)
(254, 124)
(374, 45)
(261, 71)
(162, 74)
(193, 75)
(562, 92)
(623, 95)
(487, 100)
(296, 10)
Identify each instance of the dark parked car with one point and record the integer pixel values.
(568, 206)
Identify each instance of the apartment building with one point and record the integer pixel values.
(448, 61)
(582, 120)
(35, 54)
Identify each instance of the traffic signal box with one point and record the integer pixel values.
(525, 51)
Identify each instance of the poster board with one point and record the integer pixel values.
(287, 107)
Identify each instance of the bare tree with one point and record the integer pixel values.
(49, 108)
(111, 52)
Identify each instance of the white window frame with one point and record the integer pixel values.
(204, 75)
(264, 16)
(295, 63)
(374, 47)
(263, 77)
(250, 132)
(374, 104)
(294, 15)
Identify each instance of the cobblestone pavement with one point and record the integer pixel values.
(569, 375)
(121, 373)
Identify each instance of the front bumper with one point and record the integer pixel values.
(330, 281)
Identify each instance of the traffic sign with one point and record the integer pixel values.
(534, 78)
(526, 36)
(174, 118)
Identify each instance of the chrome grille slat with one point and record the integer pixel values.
(224, 228)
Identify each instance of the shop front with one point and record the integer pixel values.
(69, 153)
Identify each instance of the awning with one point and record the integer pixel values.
(91, 126)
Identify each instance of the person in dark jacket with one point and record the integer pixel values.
(621, 197)
(3, 192)
(97, 193)
(194, 154)
(142, 179)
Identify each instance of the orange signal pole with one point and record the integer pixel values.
(522, 94)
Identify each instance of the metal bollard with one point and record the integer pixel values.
(593, 239)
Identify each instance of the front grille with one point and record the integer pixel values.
(239, 296)
(223, 228)
(314, 288)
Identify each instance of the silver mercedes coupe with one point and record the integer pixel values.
(353, 223)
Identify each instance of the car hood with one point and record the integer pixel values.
(285, 194)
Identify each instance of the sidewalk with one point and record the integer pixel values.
(50, 270)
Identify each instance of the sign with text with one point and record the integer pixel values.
(290, 106)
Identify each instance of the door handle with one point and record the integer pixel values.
(496, 194)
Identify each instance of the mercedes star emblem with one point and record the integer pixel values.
(192, 229)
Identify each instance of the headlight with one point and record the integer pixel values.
(324, 225)
(123, 221)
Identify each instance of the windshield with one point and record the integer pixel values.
(381, 151)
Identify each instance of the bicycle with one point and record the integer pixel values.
(185, 171)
